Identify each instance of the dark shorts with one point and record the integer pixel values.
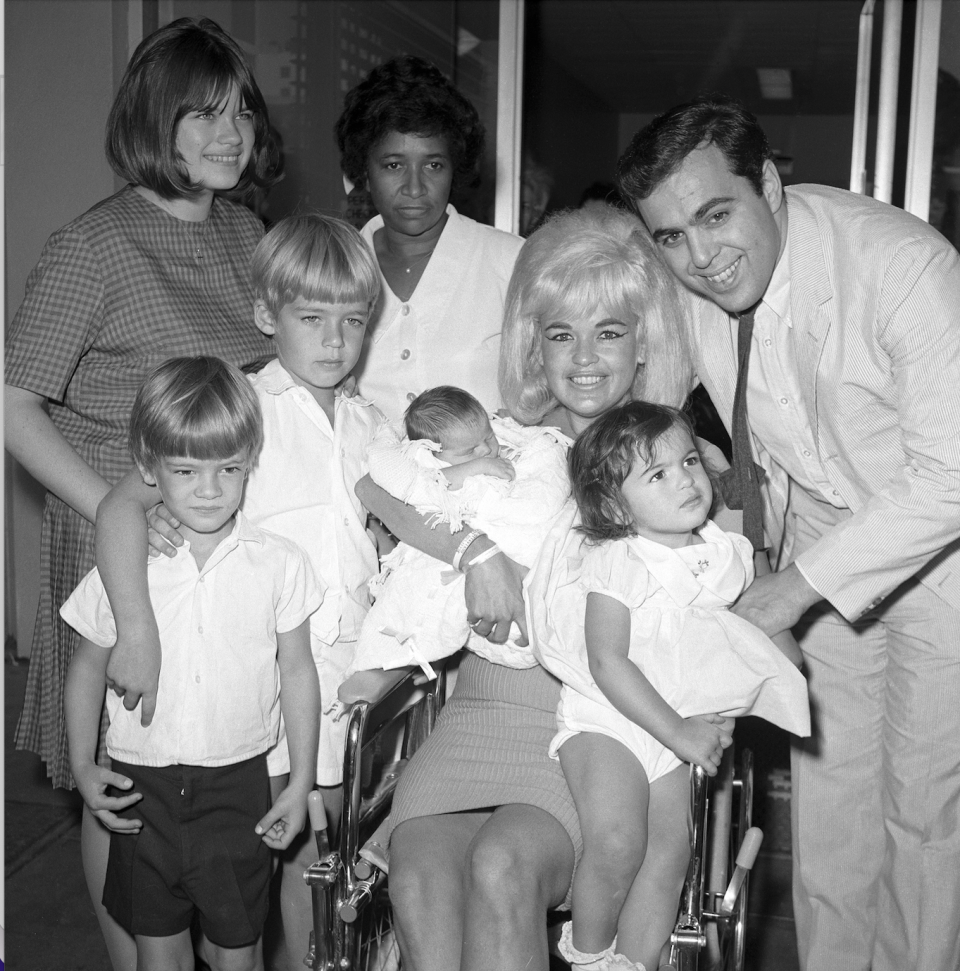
(197, 853)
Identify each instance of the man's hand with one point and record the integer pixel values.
(494, 594)
(133, 670)
(775, 602)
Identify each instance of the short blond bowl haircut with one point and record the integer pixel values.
(195, 407)
(437, 411)
(314, 257)
(576, 264)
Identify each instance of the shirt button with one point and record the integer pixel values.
(784, 401)
(404, 355)
(197, 679)
(199, 630)
(405, 309)
(201, 579)
(410, 396)
(346, 521)
(806, 453)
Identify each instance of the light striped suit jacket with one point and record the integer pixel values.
(876, 293)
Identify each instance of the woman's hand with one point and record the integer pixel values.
(494, 594)
(702, 739)
(162, 531)
(92, 781)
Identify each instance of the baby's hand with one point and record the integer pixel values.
(702, 739)
(284, 820)
(92, 781)
(490, 465)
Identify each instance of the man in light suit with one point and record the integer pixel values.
(853, 405)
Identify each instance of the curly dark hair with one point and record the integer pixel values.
(658, 150)
(408, 95)
(603, 456)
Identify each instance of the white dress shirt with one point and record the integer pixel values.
(218, 699)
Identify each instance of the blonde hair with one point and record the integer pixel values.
(315, 257)
(574, 263)
(195, 407)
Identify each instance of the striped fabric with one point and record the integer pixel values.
(490, 749)
(877, 292)
(116, 292)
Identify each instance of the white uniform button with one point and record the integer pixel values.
(199, 630)
(784, 401)
(410, 396)
(405, 309)
(767, 342)
(197, 679)
(404, 354)
(806, 453)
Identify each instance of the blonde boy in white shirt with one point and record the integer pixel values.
(316, 282)
(232, 608)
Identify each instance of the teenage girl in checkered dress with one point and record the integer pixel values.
(156, 271)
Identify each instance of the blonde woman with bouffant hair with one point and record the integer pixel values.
(577, 261)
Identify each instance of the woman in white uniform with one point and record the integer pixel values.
(409, 135)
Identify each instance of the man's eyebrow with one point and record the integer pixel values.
(709, 204)
(659, 234)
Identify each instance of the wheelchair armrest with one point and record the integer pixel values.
(370, 686)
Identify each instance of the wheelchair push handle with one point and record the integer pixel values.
(747, 856)
(318, 822)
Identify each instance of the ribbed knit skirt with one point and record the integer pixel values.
(489, 749)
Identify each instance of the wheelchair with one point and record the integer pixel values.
(351, 910)
(710, 933)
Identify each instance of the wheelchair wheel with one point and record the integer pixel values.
(376, 944)
(726, 939)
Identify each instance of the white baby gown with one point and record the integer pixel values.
(699, 656)
(419, 614)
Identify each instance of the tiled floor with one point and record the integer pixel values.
(50, 924)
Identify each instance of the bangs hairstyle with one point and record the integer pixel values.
(408, 95)
(434, 412)
(189, 65)
(605, 454)
(315, 257)
(577, 263)
(195, 407)
(657, 150)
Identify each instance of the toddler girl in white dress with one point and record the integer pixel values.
(629, 610)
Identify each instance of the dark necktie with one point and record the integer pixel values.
(740, 485)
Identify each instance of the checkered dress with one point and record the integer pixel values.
(116, 292)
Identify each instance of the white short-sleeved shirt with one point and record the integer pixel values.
(218, 699)
(448, 332)
(303, 488)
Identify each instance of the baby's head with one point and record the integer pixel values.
(197, 417)
(316, 283)
(637, 472)
(455, 419)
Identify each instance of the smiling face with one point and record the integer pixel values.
(215, 143)
(669, 494)
(718, 236)
(317, 343)
(590, 364)
(464, 442)
(410, 177)
(202, 493)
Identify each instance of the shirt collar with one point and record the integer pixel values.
(275, 379)
(777, 296)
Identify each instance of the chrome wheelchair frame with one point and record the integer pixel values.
(351, 910)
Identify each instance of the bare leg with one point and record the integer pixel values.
(609, 787)
(519, 865)
(236, 958)
(650, 910)
(427, 861)
(94, 850)
(174, 953)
